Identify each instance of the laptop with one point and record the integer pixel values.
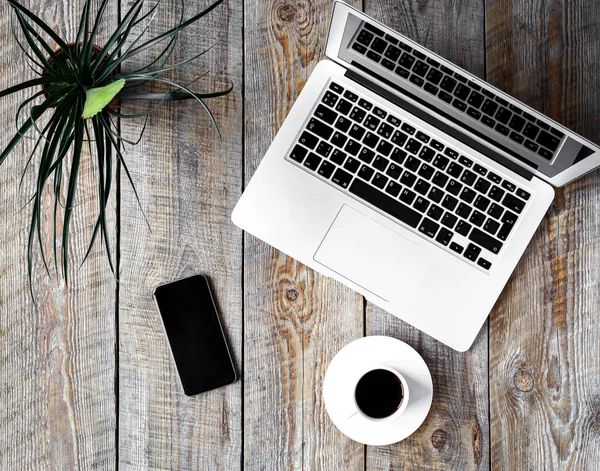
(408, 179)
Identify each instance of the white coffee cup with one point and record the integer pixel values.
(379, 401)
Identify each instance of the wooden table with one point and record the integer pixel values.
(86, 380)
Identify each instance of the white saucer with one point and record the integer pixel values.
(346, 368)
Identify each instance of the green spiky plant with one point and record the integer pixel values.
(77, 99)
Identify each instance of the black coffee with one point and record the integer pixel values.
(379, 393)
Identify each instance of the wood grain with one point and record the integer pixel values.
(455, 435)
(295, 320)
(188, 183)
(544, 332)
(56, 360)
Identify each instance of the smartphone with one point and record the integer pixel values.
(195, 334)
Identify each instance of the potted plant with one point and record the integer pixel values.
(75, 102)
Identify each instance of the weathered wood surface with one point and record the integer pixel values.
(295, 320)
(455, 434)
(75, 397)
(545, 330)
(57, 363)
(188, 183)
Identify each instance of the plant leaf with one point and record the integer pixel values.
(97, 98)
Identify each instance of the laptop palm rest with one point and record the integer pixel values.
(365, 252)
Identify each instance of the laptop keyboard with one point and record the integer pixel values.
(451, 200)
(453, 89)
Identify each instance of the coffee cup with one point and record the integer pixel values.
(380, 395)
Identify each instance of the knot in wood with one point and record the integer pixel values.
(523, 381)
(438, 439)
(292, 294)
(286, 12)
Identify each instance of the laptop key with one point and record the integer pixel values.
(341, 178)
(357, 114)
(402, 72)
(398, 155)
(449, 220)
(366, 173)
(482, 203)
(428, 227)
(461, 105)
(421, 204)
(336, 87)
(371, 122)
(380, 163)
(379, 45)
(370, 140)
(416, 80)
(324, 149)
(477, 218)
(422, 186)
(413, 146)
(463, 210)
(516, 137)
(393, 188)
(374, 29)
(473, 113)
(467, 195)
(448, 84)
(463, 228)
(326, 169)
(513, 203)
(435, 212)
(491, 226)
(462, 91)
(408, 178)
(440, 162)
(488, 121)
(352, 165)
(427, 154)
(485, 240)
(392, 53)
(338, 139)
(444, 236)
(385, 130)
(386, 203)
(468, 177)
(531, 131)
(394, 171)
(453, 187)
(352, 147)
(455, 170)
(359, 48)
(308, 140)
(426, 171)
(312, 161)
(412, 163)
(407, 196)
(391, 39)
(393, 120)
(445, 96)
(384, 147)
(408, 128)
(319, 128)
(434, 76)
(523, 194)
(509, 186)
(482, 262)
(456, 247)
(329, 98)
(475, 99)
(440, 179)
(365, 37)
(516, 123)
(547, 140)
(326, 114)
(451, 153)
(298, 153)
(503, 115)
(532, 146)
(406, 60)
(388, 64)
(495, 178)
(496, 193)
(379, 180)
(482, 185)
(495, 210)
(399, 138)
(472, 252)
(545, 153)
(366, 155)
(338, 157)
(343, 106)
(435, 194)
(449, 202)
(357, 132)
(351, 96)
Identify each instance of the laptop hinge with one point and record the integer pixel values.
(432, 120)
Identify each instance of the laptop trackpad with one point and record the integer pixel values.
(365, 252)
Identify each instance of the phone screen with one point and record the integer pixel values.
(195, 335)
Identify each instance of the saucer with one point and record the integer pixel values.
(349, 365)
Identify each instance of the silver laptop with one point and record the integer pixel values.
(408, 179)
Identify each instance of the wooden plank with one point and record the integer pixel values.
(455, 434)
(544, 333)
(57, 362)
(188, 183)
(295, 320)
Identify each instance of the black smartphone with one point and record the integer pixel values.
(195, 334)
